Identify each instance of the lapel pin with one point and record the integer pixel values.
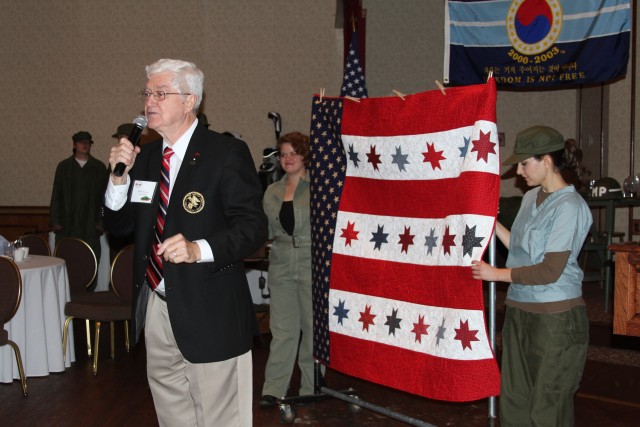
(195, 158)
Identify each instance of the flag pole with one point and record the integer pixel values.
(492, 309)
(492, 316)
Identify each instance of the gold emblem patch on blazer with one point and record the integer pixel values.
(193, 202)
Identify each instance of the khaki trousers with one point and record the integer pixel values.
(291, 325)
(194, 394)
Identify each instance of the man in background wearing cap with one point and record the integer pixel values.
(123, 131)
(78, 190)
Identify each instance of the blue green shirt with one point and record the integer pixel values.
(559, 224)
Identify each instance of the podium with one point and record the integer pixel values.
(626, 300)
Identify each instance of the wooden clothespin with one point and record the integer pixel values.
(321, 93)
(399, 94)
(441, 87)
(351, 98)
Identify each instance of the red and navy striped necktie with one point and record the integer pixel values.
(154, 269)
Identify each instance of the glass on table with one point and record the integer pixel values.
(631, 186)
(8, 249)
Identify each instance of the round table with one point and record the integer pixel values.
(37, 325)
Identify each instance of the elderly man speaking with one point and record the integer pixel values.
(193, 200)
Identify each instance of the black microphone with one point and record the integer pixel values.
(139, 123)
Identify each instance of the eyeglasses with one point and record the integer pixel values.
(158, 95)
(285, 155)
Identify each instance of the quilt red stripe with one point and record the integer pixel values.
(422, 374)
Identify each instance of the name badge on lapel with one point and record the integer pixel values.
(193, 202)
(143, 191)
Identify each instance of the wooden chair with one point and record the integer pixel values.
(110, 306)
(37, 244)
(597, 244)
(82, 268)
(595, 270)
(10, 297)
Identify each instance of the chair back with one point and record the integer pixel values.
(37, 244)
(122, 273)
(10, 289)
(82, 266)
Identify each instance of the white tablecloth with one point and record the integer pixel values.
(37, 325)
(104, 266)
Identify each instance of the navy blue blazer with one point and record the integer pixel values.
(209, 304)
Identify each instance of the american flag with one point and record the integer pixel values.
(353, 83)
(404, 195)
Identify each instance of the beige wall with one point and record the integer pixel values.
(77, 65)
